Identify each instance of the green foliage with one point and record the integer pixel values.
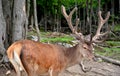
(31, 33)
(49, 6)
(112, 51)
(46, 37)
(113, 43)
(54, 6)
(62, 39)
(117, 27)
(65, 39)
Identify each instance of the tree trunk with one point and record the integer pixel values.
(87, 13)
(31, 20)
(6, 4)
(12, 24)
(84, 20)
(90, 21)
(28, 7)
(2, 32)
(18, 20)
(2, 28)
(99, 5)
(26, 11)
(108, 59)
(112, 13)
(59, 15)
(36, 21)
(45, 16)
(119, 6)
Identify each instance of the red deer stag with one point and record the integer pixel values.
(37, 58)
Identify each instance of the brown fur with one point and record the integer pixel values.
(37, 58)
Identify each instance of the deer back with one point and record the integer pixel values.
(38, 57)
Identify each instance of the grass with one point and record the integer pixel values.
(113, 43)
(46, 37)
(117, 27)
(62, 39)
(112, 50)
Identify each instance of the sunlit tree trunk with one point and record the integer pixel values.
(99, 5)
(12, 24)
(19, 18)
(112, 13)
(7, 15)
(2, 29)
(87, 14)
(90, 21)
(36, 21)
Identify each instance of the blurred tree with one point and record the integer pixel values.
(12, 23)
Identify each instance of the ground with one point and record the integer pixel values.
(98, 69)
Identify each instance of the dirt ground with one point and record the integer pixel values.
(98, 69)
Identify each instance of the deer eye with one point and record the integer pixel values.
(84, 47)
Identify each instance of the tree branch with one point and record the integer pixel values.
(117, 62)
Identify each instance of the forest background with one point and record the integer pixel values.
(21, 18)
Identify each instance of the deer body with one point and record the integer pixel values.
(39, 58)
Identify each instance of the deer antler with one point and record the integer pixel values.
(100, 24)
(69, 21)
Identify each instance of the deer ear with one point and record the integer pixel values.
(88, 38)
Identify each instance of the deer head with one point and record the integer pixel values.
(85, 42)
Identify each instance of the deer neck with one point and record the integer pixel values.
(72, 55)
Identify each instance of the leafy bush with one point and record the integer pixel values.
(117, 27)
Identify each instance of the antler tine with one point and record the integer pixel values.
(69, 17)
(100, 24)
(77, 22)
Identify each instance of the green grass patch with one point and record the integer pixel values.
(62, 39)
(47, 37)
(32, 33)
(113, 43)
(112, 50)
(117, 27)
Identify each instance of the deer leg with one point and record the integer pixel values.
(50, 71)
(16, 66)
(83, 67)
